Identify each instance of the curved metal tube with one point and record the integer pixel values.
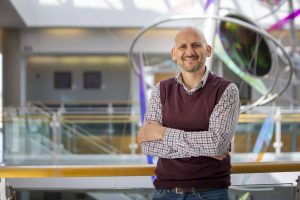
(261, 101)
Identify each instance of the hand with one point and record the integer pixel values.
(151, 131)
(222, 156)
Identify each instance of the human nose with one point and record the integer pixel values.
(190, 50)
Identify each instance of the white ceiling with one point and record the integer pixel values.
(125, 13)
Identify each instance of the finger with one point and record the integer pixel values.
(139, 139)
(217, 157)
(140, 136)
(153, 122)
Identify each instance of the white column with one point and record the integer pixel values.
(22, 76)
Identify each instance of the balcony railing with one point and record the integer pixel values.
(131, 171)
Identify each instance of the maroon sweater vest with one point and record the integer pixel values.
(191, 113)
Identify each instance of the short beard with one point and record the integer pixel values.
(194, 69)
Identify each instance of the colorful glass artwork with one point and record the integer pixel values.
(248, 49)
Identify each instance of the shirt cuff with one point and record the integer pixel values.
(171, 137)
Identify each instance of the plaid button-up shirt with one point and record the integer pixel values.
(181, 144)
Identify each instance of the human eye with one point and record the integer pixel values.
(183, 46)
(196, 45)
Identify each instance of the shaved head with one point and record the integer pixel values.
(192, 30)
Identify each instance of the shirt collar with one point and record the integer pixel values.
(201, 84)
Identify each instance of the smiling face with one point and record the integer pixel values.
(190, 50)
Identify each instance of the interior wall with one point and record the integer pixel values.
(21, 44)
(115, 82)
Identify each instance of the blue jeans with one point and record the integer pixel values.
(164, 194)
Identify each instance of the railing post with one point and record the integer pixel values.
(60, 112)
(277, 144)
(297, 197)
(133, 145)
(110, 129)
(6, 191)
(3, 189)
(55, 134)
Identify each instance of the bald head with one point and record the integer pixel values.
(190, 30)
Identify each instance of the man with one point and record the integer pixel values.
(190, 122)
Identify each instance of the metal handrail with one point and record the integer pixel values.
(97, 118)
(130, 170)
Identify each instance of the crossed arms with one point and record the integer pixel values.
(165, 142)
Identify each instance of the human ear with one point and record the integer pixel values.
(208, 51)
(173, 54)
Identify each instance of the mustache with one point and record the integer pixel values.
(191, 56)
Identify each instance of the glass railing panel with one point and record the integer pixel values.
(267, 134)
(102, 138)
(26, 135)
(101, 194)
(262, 191)
(247, 134)
(38, 133)
(235, 192)
(44, 137)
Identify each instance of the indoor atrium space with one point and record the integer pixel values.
(82, 82)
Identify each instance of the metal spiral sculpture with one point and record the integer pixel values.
(251, 53)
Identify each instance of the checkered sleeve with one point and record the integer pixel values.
(217, 139)
(156, 148)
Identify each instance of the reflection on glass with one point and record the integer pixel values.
(246, 48)
(261, 191)
(271, 3)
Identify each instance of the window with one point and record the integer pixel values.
(92, 80)
(62, 80)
